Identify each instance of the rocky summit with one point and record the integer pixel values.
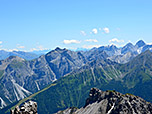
(111, 102)
(27, 108)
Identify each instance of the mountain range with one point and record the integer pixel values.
(25, 55)
(72, 89)
(134, 77)
(72, 74)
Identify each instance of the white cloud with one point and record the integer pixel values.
(116, 40)
(90, 46)
(149, 43)
(129, 41)
(94, 31)
(83, 33)
(10, 50)
(117, 45)
(91, 40)
(39, 48)
(21, 47)
(71, 42)
(106, 30)
(1, 42)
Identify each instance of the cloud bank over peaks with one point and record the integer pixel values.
(91, 46)
(116, 40)
(38, 48)
(149, 43)
(71, 42)
(91, 40)
(0, 44)
(20, 46)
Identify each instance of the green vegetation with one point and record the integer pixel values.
(16, 64)
(30, 97)
(1, 73)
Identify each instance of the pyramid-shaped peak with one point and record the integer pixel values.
(58, 49)
(140, 43)
(10, 58)
(129, 44)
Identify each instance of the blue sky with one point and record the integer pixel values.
(36, 25)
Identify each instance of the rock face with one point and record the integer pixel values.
(27, 108)
(111, 102)
(20, 78)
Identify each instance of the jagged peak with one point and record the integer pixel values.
(140, 43)
(128, 44)
(111, 102)
(96, 95)
(112, 46)
(57, 49)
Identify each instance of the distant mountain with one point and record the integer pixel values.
(82, 49)
(22, 54)
(140, 43)
(129, 51)
(120, 55)
(124, 58)
(111, 102)
(128, 48)
(70, 91)
(20, 78)
(40, 52)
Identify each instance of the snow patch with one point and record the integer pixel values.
(8, 99)
(37, 85)
(139, 50)
(54, 80)
(3, 104)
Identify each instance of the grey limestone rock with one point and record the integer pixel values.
(111, 102)
(27, 108)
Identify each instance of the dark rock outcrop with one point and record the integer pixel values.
(111, 102)
(27, 108)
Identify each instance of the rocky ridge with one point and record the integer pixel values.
(27, 108)
(111, 102)
(19, 78)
